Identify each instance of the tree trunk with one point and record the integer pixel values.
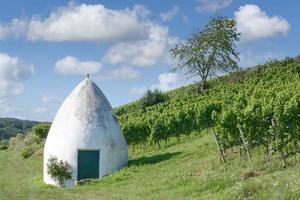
(245, 143)
(283, 157)
(202, 86)
(219, 148)
(267, 152)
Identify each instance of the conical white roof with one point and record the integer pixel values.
(86, 120)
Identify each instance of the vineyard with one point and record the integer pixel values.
(253, 107)
(253, 112)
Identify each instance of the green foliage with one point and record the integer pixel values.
(28, 144)
(3, 144)
(152, 97)
(17, 143)
(10, 127)
(250, 99)
(130, 107)
(27, 152)
(60, 171)
(41, 130)
(210, 51)
(267, 109)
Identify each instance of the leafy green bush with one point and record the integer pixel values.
(28, 145)
(152, 97)
(3, 144)
(60, 171)
(28, 151)
(41, 130)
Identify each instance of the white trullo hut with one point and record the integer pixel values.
(86, 134)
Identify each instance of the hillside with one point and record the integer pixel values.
(254, 99)
(10, 127)
(288, 67)
(173, 154)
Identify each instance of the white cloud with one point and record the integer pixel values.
(118, 73)
(254, 23)
(144, 53)
(16, 28)
(73, 66)
(70, 65)
(88, 22)
(139, 90)
(167, 81)
(13, 72)
(46, 110)
(250, 59)
(8, 110)
(212, 5)
(170, 14)
(49, 99)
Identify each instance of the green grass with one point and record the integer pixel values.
(189, 169)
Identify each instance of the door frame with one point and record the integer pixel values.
(88, 149)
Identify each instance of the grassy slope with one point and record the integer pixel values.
(188, 170)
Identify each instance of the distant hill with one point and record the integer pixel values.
(10, 127)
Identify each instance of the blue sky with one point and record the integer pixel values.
(47, 47)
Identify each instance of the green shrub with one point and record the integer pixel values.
(28, 144)
(3, 144)
(28, 152)
(41, 130)
(32, 139)
(17, 143)
(60, 171)
(152, 97)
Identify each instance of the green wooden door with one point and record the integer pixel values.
(88, 164)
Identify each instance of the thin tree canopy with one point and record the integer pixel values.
(210, 51)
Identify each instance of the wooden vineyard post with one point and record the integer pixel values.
(219, 147)
(281, 150)
(245, 143)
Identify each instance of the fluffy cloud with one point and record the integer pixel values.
(50, 99)
(13, 72)
(212, 5)
(46, 110)
(139, 90)
(167, 81)
(118, 73)
(73, 66)
(15, 28)
(144, 53)
(169, 15)
(88, 22)
(254, 23)
(70, 65)
(136, 40)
